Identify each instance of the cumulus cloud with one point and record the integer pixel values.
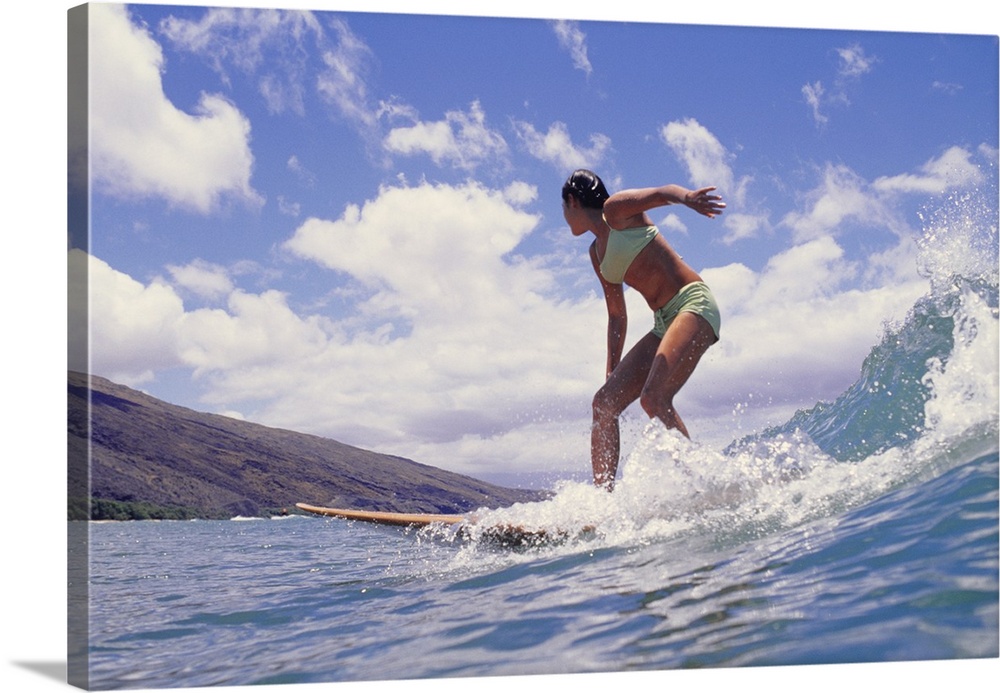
(557, 148)
(134, 328)
(794, 333)
(954, 169)
(462, 139)
(139, 329)
(452, 244)
(457, 347)
(457, 342)
(144, 146)
(798, 329)
(574, 41)
(460, 352)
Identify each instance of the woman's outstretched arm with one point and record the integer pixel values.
(627, 208)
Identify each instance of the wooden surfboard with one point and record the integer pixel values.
(384, 518)
(503, 534)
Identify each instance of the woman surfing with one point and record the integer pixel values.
(628, 249)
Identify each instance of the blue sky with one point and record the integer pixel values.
(349, 224)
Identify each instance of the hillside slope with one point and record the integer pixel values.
(144, 449)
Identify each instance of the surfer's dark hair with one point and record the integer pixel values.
(587, 187)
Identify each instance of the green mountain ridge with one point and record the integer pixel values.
(141, 450)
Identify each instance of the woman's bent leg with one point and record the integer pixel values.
(621, 389)
(684, 343)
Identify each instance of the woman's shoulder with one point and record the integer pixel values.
(623, 222)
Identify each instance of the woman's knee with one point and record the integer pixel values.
(656, 404)
(604, 405)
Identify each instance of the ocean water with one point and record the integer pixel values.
(864, 530)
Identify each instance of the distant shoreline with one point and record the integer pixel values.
(134, 457)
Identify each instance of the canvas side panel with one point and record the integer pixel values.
(78, 399)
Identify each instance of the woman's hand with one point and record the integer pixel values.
(704, 203)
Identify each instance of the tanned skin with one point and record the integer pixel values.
(655, 369)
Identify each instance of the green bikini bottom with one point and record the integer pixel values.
(694, 298)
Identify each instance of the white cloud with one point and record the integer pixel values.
(141, 144)
(255, 332)
(462, 139)
(707, 161)
(794, 333)
(743, 226)
(133, 327)
(138, 329)
(307, 177)
(450, 244)
(459, 352)
(853, 64)
(458, 343)
(672, 222)
(952, 170)
(813, 94)
(950, 88)
(574, 41)
(240, 36)
(343, 83)
(805, 271)
(556, 147)
(797, 331)
(202, 278)
(842, 195)
(286, 206)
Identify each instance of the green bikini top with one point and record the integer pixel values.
(623, 247)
